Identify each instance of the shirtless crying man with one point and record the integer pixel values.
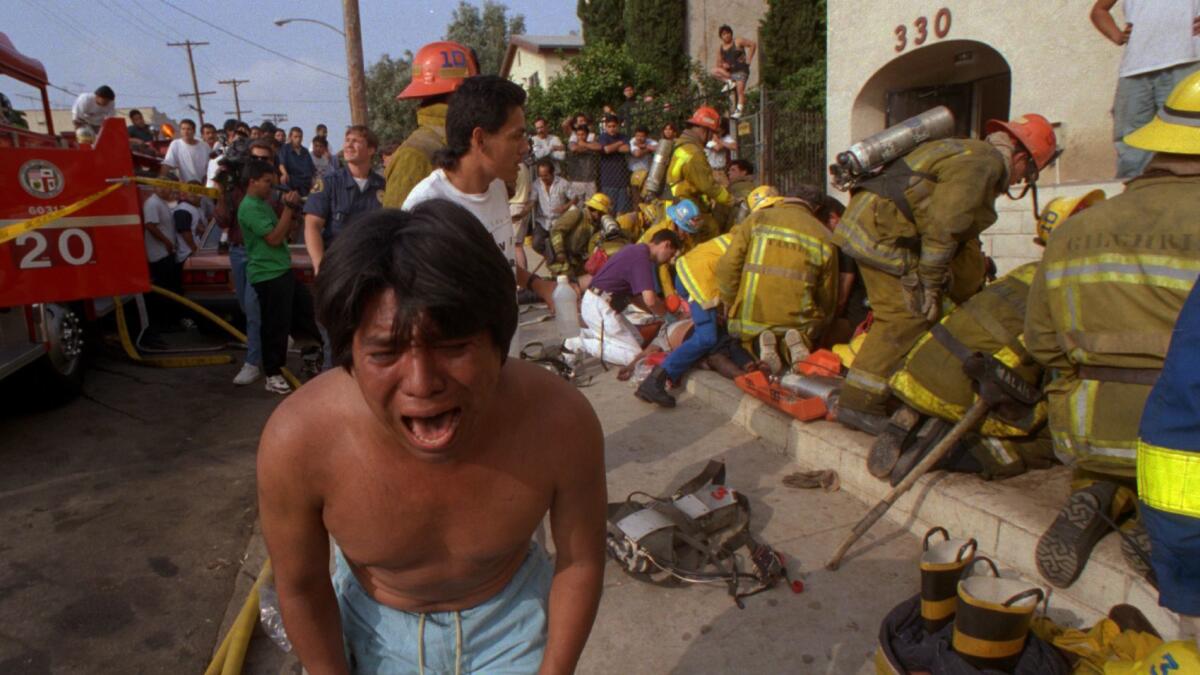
(424, 457)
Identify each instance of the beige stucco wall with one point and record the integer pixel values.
(1061, 67)
(527, 62)
(704, 17)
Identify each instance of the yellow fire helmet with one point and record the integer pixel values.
(638, 178)
(1059, 209)
(651, 212)
(599, 202)
(763, 195)
(1177, 127)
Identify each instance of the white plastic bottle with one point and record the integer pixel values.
(566, 308)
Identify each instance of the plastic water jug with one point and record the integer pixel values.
(566, 308)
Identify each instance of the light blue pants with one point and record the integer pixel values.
(506, 635)
(1138, 100)
(248, 301)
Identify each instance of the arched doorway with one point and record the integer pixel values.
(969, 77)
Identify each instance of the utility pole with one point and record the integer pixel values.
(188, 44)
(237, 105)
(354, 62)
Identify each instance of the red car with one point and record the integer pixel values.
(207, 279)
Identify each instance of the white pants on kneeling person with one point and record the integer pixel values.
(622, 341)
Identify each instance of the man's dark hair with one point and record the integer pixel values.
(256, 168)
(230, 125)
(546, 162)
(208, 125)
(830, 206)
(481, 101)
(642, 129)
(441, 263)
(295, 129)
(321, 127)
(743, 164)
(725, 29)
(667, 235)
(582, 126)
(364, 131)
(135, 111)
(320, 140)
(612, 118)
(256, 127)
(187, 120)
(390, 147)
(262, 143)
(105, 91)
(267, 127)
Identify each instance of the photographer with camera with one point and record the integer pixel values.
(233, 189)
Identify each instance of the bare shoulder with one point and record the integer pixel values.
(550, 406)
(300, 428)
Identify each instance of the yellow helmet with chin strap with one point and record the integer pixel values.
(1061, 208)
(762, 196)
(1176, 128)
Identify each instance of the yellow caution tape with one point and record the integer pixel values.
(212, 193)
(17, 229)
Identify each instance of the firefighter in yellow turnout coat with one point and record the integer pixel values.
(438, 69)
(1102, 309)
(931, 382)
(914, 231)
(689, 175)
(779, 278)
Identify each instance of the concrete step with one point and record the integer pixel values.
(1006, 517)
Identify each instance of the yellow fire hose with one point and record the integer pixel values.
(231, 654)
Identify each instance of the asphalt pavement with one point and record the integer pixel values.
(123, 518)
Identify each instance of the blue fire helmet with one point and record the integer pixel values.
(682, 215)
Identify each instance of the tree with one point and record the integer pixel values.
(602, 21)
(654, 31)
(390, 119)
(792, 38)
(486, 32)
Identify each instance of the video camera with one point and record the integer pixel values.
(231, 164)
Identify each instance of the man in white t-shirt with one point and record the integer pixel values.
(158, 224)
(546, 144)
(187, 155)
(90, 110)
(485, 144)
(1162, 47)
(188, 220)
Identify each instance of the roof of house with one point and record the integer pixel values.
(539, 43)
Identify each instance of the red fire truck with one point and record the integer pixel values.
(58, 276)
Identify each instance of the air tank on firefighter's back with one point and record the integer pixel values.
(656, 177)
(862, 158)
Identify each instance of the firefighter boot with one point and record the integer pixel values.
(891, 442)
(653, 389)
(1065, 547)
(942, 564)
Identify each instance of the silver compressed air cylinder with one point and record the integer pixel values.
(812, 386)
(657, 176)
(897, 140)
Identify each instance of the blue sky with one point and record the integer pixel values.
(122, 43)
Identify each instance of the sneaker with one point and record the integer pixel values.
(736, 114)
(277, 385)
(247, 375)
(728, 87)
(797, 350)
(768, 352)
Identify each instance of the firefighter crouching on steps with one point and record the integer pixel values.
(914, 231)
(437, 70)
(689, 175)
(572, 232)
(779, 278)
(1102, 307)
(935, 391)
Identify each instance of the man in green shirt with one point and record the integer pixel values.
(287, 307)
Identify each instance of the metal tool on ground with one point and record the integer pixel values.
(998, 386)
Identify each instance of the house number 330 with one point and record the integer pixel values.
(941, 28)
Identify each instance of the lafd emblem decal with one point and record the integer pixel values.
(41, 179)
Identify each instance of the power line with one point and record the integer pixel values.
(188, 44)
(231, 34)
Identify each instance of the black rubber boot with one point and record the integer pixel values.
(892, 441)
(653, 389)
(927, 436)
(1066, 546)
(866, 422)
